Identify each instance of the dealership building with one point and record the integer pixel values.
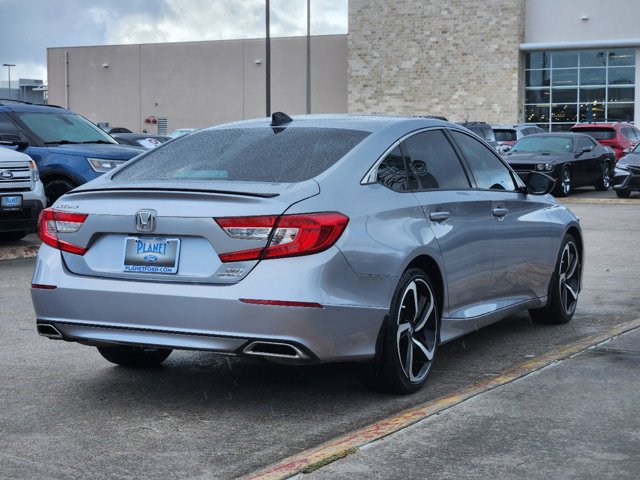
(548, 62)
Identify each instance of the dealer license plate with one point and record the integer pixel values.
(13, 202)
(151, 254)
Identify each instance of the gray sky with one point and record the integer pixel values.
(29, 27)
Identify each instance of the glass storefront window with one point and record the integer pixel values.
(593, 94)
(622, 76)
(623, 56)
(564, 77)
(592, 112)
(537, 60)
(593, 76)
(564, 59)
(564, 113)
(593, 58)
(564, 95)
(564, 87)
(621, 94)
(620, 112)
(537, 95)
(536, 113)
(538, 78)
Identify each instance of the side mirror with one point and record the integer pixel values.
(13, 139)
(539, 183)
(626, 150)
(586, 149)
(505, 148)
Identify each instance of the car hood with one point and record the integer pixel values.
(527, 158)
(632, 159)
(98, 150)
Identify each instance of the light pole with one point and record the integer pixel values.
(268, 55)
(9, 65)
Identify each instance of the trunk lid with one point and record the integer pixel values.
(120, 245)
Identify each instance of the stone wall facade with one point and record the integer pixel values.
(455, 58)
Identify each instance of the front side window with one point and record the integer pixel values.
(7, 126)
(584, 143)
(488, 170)
(433, 162)
(392, 172)
(285, 155)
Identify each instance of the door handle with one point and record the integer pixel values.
(439, 216)
(500, 212)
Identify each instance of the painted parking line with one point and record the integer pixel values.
(314, 458)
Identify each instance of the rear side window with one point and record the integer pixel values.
(488, 170)
(392, 172)
(597, 133)
(246, 154)
(433, 162)
(630, 133)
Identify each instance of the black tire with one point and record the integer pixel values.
(604, 181)
(623, 193)
(139, 357)
(12, 236)
(410, 337)
(563, 183)
(564, 287)
(55, 188)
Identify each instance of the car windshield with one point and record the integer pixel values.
(543, 144)
(505, 135)
(285, 155)
(54, 128)
(597, 133)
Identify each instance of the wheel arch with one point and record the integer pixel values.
(429, 266)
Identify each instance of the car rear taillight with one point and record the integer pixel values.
(52, 222)
(286, 236)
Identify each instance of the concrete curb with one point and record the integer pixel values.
(601, 201)
(315, 458)
(18, 251)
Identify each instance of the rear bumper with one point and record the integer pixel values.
(98, 311)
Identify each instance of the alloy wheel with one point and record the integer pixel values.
(606, 178)
(566, 181)
(417, 330)
(569, 278)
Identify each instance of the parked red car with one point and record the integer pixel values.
(619, 136)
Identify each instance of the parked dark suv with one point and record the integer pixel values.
(484, 131)
(68, 149)
(619, 136)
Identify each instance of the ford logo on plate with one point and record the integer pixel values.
(150, 258)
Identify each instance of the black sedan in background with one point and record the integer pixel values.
(574, 160)
(144, 140)
(626, 178)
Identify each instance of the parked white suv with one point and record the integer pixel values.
(21, 195)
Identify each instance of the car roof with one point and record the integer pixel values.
(368, 123)
(18, 106)
(603, 125)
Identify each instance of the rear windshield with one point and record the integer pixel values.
(245, 154)
(597, 133)
(505, 135)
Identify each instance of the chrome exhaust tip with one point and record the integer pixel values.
(49, 331)
(275, 350)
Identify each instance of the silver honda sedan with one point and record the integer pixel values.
(306, 239)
